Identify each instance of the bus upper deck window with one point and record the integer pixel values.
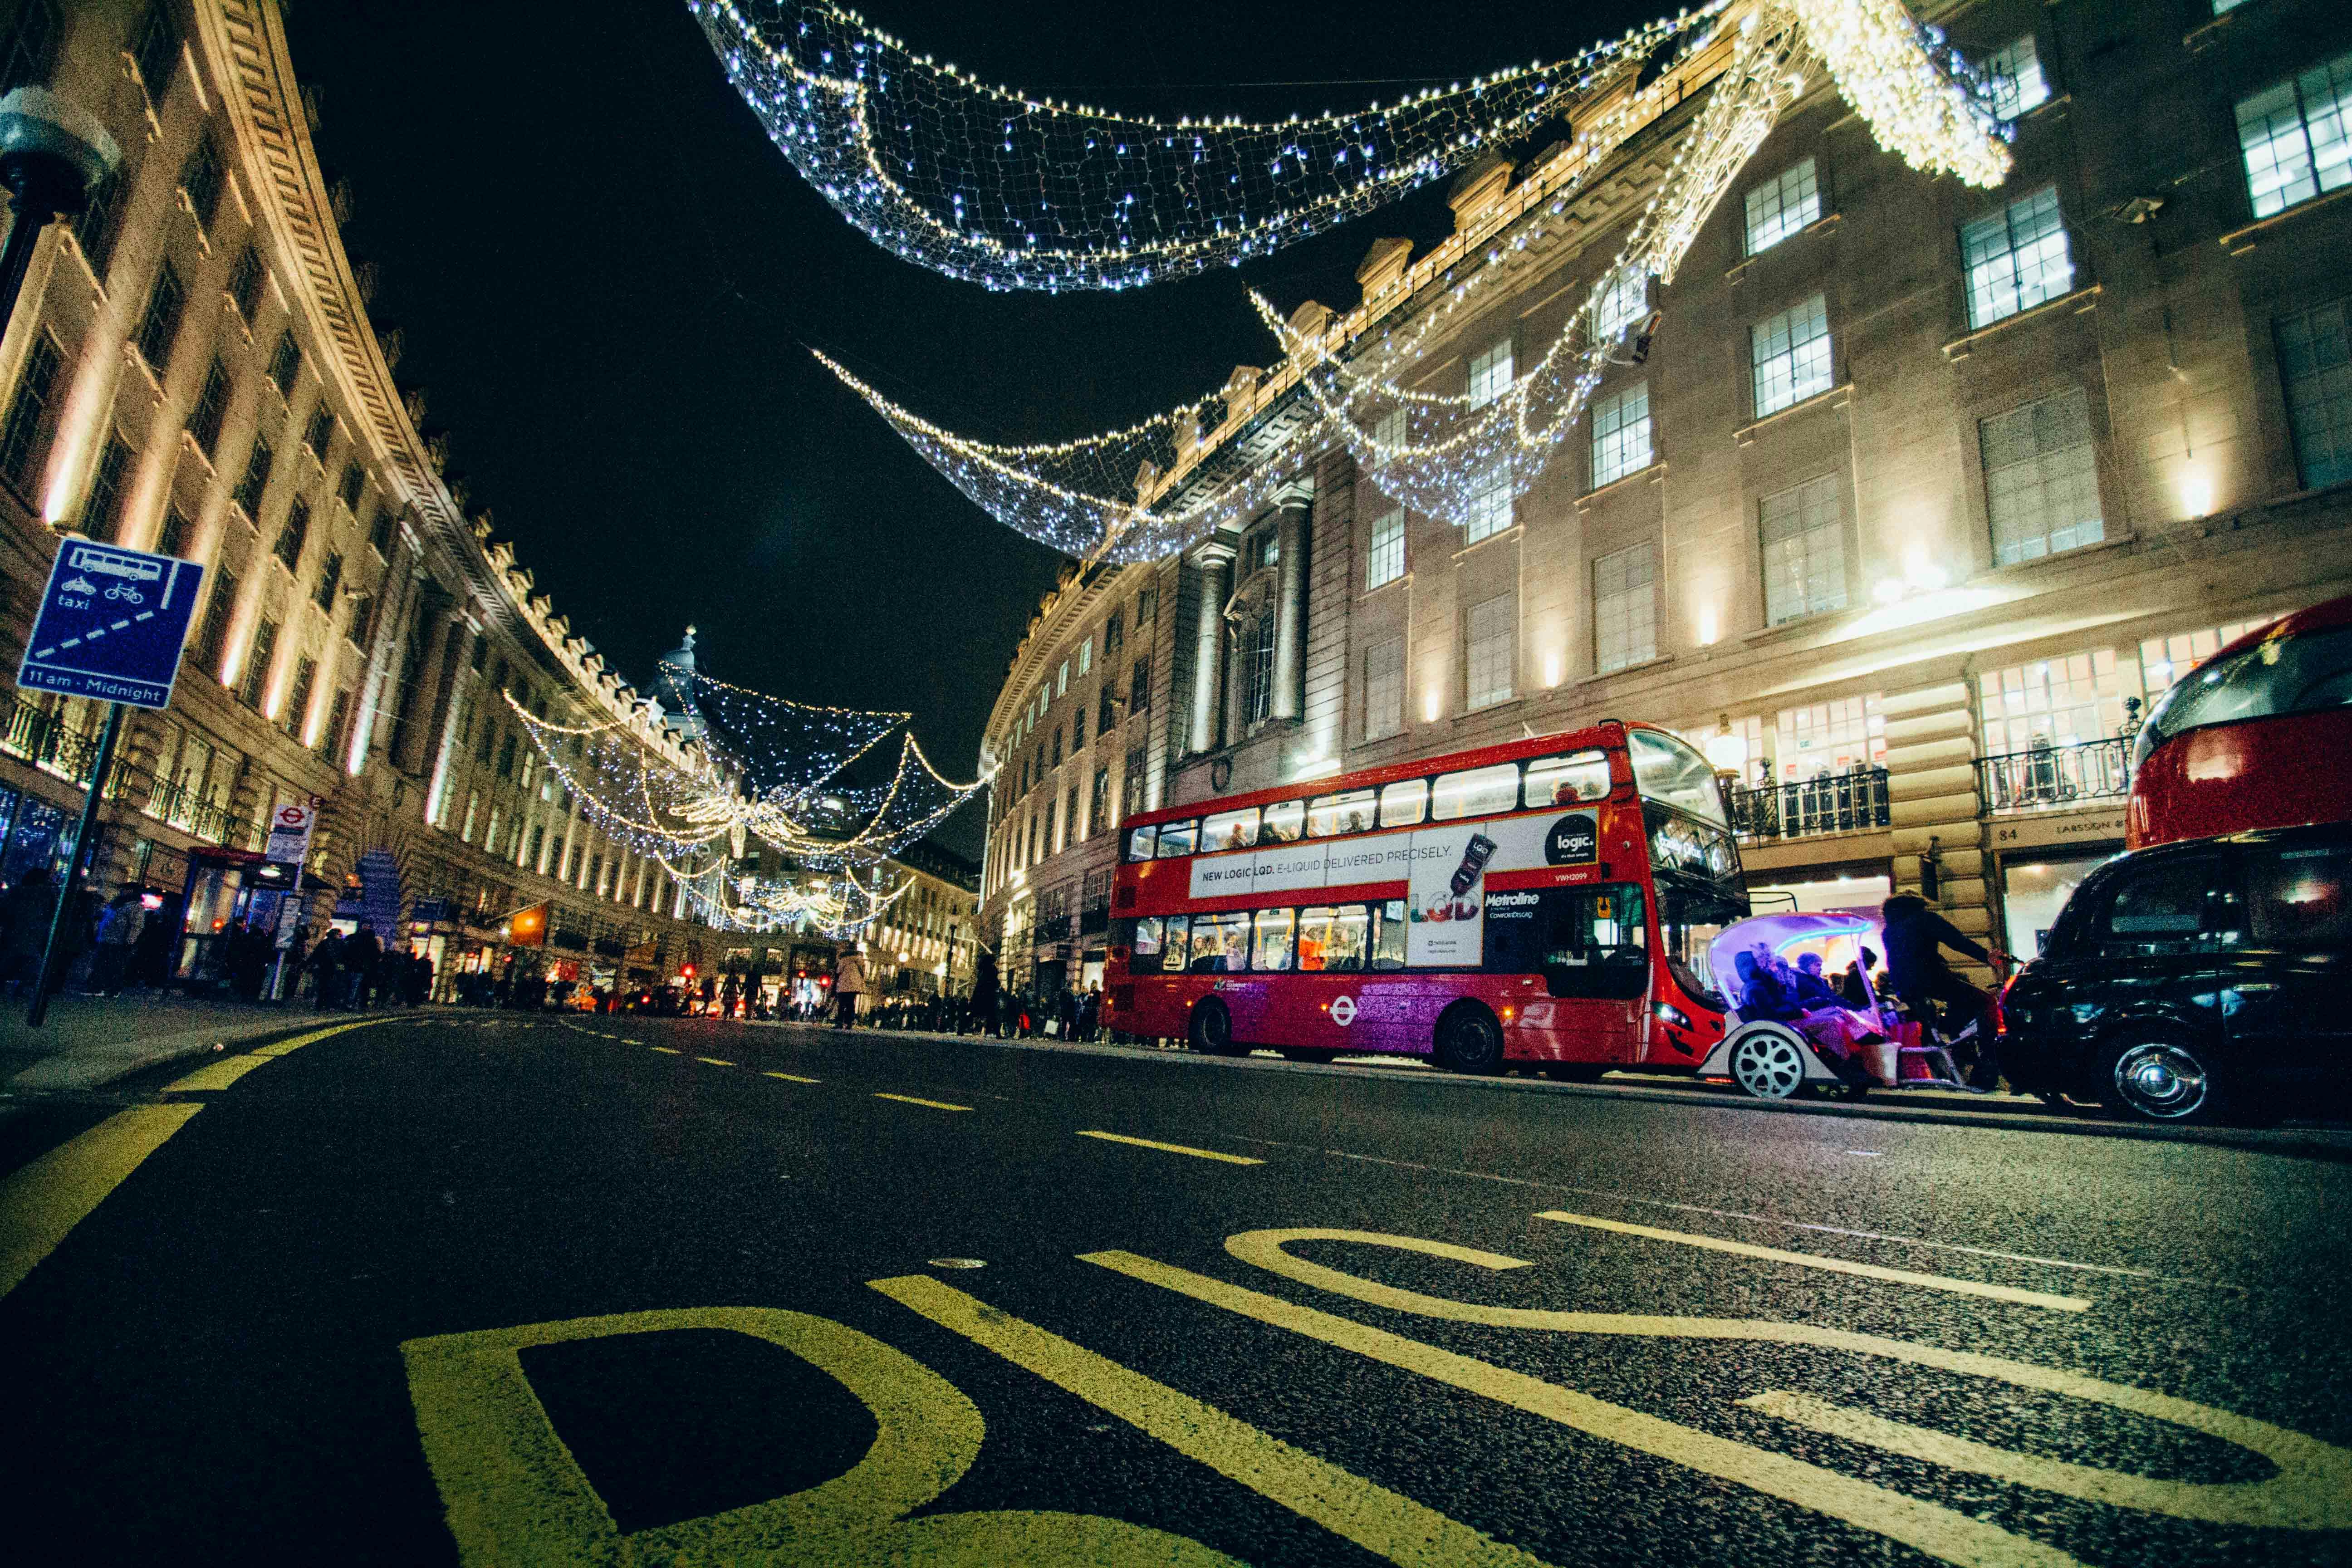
(1141, 842)
(1571, 780)
(1175, 839)
(1476, 792)
(1228, 830)
(1330, 814)
(1284, 823)
(1405, 803)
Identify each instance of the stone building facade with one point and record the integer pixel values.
(192, 370)
(1919, 495)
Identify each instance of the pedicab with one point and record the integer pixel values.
(1772, 1059)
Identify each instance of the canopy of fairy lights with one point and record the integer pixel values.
(1015, 191)
(757, 768)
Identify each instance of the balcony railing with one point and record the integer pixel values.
(2046, 778)
(1851, 801)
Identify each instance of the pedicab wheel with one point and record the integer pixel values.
(2163, 1077)
(1468, 1040)
(1767, 1065)
(1211, 1031)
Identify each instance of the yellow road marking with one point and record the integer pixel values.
(1833, 1265)
(629, 1042)
(665, 1050)
(1380, 1521)
(1937, 1532)
(716, 1061)
(42, 1200)
(218, 1074)
(1173, 1148)
(283, 1047)
(791, 1077)
(934, 1104)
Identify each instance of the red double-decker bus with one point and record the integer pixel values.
(1548, 902)
(2258, 736)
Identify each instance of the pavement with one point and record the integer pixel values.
(479, 1288)
(88, 1042)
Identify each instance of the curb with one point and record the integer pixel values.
(72, 1069)
(2323, 1142)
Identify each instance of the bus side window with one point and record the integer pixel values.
(1141, 842)
(1596, 944)
(1334, 938)
(1175, 839)
(1143, 948)
(1388, 950)
(1335, 813)
(1228, 830)
(1276, 930)
(1569, 780)
(1220, 944)
(1284, 822)
(1172, 946)
(1475, 791)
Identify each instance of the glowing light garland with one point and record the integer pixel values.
(1458, 456)
(1010, 190)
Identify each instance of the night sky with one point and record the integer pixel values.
(604, 276)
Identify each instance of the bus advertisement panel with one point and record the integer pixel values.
(1547, 901)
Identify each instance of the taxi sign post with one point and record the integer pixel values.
(111, 626)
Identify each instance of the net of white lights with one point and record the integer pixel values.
(1012, 190)
(841, 907)
(1464, 457)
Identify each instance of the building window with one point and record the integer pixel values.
(200, 178)
(1138, 687)
(2316, 364)
(362, 617)
(297, 529)
(1804, 551)
(2296, 137)
(257, 664)
(1490, 508)
(1384, 690)
(1625, 302)
(380, 535)
(286, 363)
(212, 642)
(159, 327)
(2016, 258)
(1132, 780)
(1105, 707)
(1257, 671)
(1829, 737)
(339, 718)
(1099, 815)
(355, 481)
(173, 540)
(101, 515)
(21, 435)
(331, 577)
(1114, 636)
(1621, 434)
(1057, 749)
(1385, 561)
(1263, 549)
(319, 433)
(1062, 680)
(211, 407)
(1086, 655)
(1071, 830)
(2041, 481)
(1791, 356)
(1779, 208)
(1079, 729)
(244, 284)
(1490, 373)
(256, 479)
(2052, 701)
(29, 52)
(2223, 7)
(2015, 72)
(1487, 635)
(297, 699)
(157, 49)
(1624, 608)
(100, 224)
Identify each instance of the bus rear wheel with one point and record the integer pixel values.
(1468, 1040)
(1211, 1031)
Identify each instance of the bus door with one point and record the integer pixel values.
(1590, 945)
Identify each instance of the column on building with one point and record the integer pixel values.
(1933, 805)
(1214, 561)
(1291, 531)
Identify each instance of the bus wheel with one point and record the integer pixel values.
(1469, 1040)
(1211, 1032)
(1767, 1066)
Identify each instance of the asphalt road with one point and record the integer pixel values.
(522, 1289)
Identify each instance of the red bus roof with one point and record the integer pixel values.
(2321, 617)
(1608, 732)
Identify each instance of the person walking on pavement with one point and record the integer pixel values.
(848, 984)
(26, 911)
(158, 945)
(983, 996)
(118, 929)
(1916, 935)
(361, 952)
(327, 971)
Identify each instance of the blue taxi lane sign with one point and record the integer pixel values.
(110, 625)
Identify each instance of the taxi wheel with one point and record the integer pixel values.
(1768, 1066)
(1211, 1031)
(2163, 1077)
(1469, 1040)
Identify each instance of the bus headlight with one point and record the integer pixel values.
(1671, 1014)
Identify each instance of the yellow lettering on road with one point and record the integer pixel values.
(45, 1199)
(2312, 1490)
(1382, 1522)
(217, 1074)
(1928, 1528)
(934, 1104)
(513, 1494)
(1175, 1148)
(791, 1077)
(716, 1061)
(1833, 1265)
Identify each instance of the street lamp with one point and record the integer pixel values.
(53, 153)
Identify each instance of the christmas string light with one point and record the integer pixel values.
(1010, 190)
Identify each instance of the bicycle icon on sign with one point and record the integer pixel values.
(127, 593)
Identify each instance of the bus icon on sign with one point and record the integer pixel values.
(116, 564)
